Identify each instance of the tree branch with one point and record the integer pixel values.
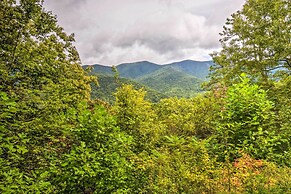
(287, 61)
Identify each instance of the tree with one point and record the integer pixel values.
(188, 117)
(36, 55)
(41, 79)
(97, 161)
(136, 116)
(246, 124)
(256, 41)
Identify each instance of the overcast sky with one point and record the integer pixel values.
(111, 32)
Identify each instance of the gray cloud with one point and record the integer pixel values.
(162, 31)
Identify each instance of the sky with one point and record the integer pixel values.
(111, 32)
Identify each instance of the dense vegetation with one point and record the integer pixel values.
(235, 138)
(108, 85)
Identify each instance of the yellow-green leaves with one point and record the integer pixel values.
(246, 122)
(41, 79)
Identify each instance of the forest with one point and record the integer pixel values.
(233, 138)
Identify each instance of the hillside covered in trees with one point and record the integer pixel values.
(108, 85)
(182, 79)
(233, 138)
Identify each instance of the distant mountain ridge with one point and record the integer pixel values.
(199, 69)
(180, 79)
(138, 69)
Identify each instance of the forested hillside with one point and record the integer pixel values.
(108, 85)
(233, 138)
(180, 79)
(172, 82)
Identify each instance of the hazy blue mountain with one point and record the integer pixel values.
(138, 69)
(199, 69)
(127, 70)
(99, 69)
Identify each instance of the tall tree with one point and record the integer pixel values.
(36, 55)
(255, 40)
(136, 117)
(40, 79)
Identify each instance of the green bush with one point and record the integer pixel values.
(246, 123)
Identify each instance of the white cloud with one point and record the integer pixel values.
(162, 31)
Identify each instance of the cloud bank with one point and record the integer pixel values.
(116, 31)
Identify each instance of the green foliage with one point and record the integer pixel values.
(25, 157)
(88, 155)
(108, 86)
(281, 96)
(189, 117)
(96, 162)
(245, 123)
(53, 139)
(37, 55)
(40, 80)
(254, 40)
(136, 116)
(181, 166)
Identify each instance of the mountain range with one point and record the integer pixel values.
(178, 79)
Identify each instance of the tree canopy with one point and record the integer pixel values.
(256, 41)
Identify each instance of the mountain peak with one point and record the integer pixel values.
(138, 63)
